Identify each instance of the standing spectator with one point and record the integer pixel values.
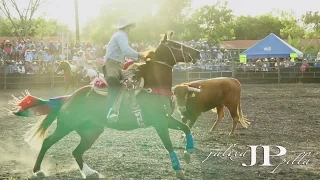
(52, 48)
(7, 50)
(304, 65)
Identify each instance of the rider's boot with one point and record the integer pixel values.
(113, 93)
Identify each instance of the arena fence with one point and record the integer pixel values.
(250, 73)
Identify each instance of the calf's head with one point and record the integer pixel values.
(182, 93)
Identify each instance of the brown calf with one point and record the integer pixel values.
(196, 97)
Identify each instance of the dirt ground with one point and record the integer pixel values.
(281, 115)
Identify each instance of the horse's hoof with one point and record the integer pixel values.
(187, 157)
(38, 175)
(180, 174)
(94, 175)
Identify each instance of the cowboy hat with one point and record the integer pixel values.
(123, 22)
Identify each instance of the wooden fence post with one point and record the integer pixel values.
(278, 66)
(5, 74)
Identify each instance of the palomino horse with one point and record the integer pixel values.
(69, 74)
(85, 111)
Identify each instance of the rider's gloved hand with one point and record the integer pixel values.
(141, 56)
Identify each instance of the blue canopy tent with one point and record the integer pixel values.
(271, 46)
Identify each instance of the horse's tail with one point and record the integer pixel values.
(39, 131)
(31, 106)
(243, 121)
(34, 106)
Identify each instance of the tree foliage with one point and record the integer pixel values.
(157, 17)
(215, 22)
(312, 22)
(258, 27)
(38, 27)
(18, 20)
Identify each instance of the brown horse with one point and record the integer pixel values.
(69, 74)
(85, 111)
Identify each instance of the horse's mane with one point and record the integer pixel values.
(144, 66)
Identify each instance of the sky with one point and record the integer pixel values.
(63, 10)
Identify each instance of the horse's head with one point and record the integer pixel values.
(172, 52)
(63, 66)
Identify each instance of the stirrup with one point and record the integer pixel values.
(112, 116)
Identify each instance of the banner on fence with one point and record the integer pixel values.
(243, 58)
(293, 56)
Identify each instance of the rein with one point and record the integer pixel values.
(174, 57)
(160, 90)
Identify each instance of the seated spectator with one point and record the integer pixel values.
(317, 63)
(35, 68)
(34, 54)
(266, 65)
(28, 56)
(41, 55)
(75, 57)
(258, 66)
(62, 57)
(28, 67)
(21, 68)
(47, 56)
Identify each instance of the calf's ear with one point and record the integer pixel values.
(192, 95)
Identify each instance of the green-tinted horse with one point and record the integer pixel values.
(85, 111)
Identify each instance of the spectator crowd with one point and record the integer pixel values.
(36, 56)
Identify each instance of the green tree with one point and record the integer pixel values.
(20, 18)
(312, 21)
(257, 27)
(157, 17)
(292, 26)
(44, 28)
(215, 22)
(295, 42)
(38, 27)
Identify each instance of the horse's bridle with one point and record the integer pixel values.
(174, 57)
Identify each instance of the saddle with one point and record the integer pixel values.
(129, 86)
(100, 85)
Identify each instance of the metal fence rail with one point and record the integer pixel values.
(248, 74)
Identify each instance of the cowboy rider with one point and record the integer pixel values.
(116, 51)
